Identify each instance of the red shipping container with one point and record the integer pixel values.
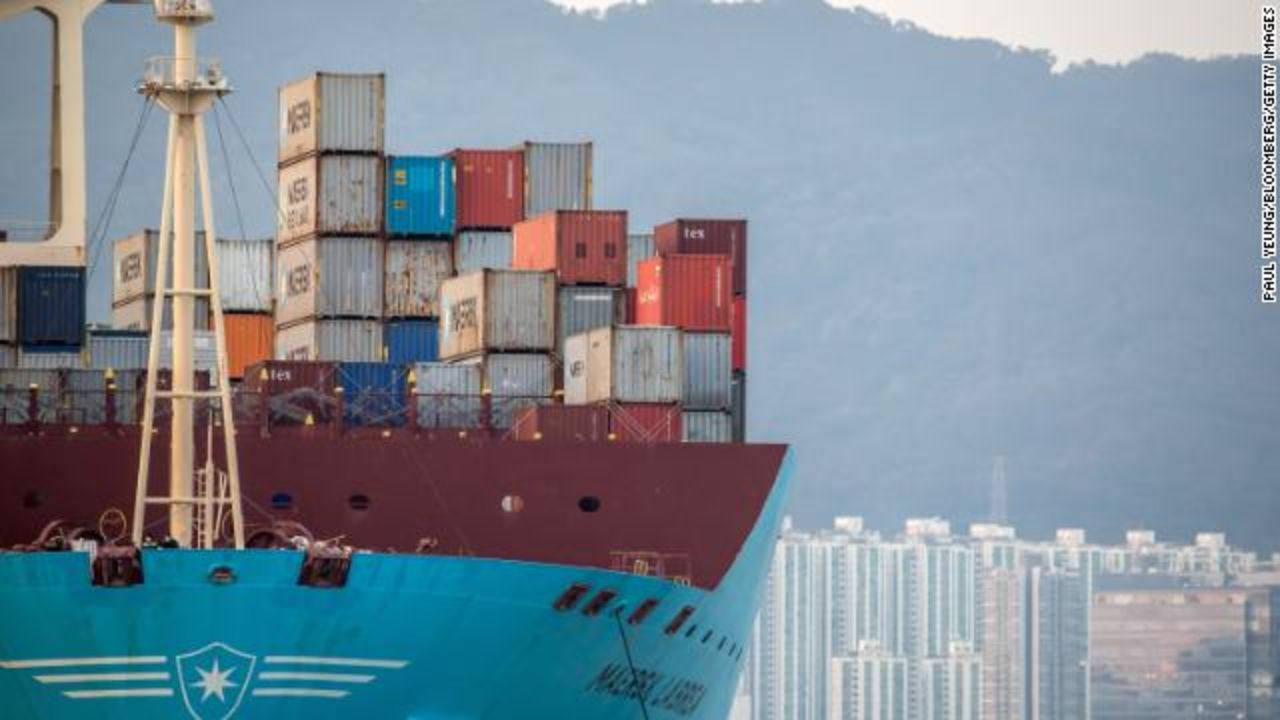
(584, 247)
(490, 188)
(707, 237)
(295, 389)
(636, 422)
(689, 291)
(562, 423)
(739, 350)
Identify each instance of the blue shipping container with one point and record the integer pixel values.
(412, 341)
(374, 393)
(50, 307)
(420, 197)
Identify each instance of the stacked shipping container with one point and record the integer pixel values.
(41, 315)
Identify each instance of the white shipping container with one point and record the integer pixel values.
(708, 371)
(246, 274)
(8, 304)
(332, 112)
(330, 340)
(136, 257)
(116, 350)
(329, 277)
(627, 363)
(497, 310)
(205, 354)
(448, 395)
(49, 360)
(706, 427)
(639, 247)
(557, 177)
(515, 374)
(330, 195)
(579, 309)
(135, 314)
(415, 269)
(482, 250)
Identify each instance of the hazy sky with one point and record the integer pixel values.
(1106, 31)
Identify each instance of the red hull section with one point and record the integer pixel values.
(574, 503)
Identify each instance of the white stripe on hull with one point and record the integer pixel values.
(300, 692)
(74, 662)
(351, 662)
(100, 694)
(316, 677)
(101, 677)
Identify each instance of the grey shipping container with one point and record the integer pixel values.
(706, 427)
(481, 250)
(739, 407)
(204, 357)
(580, 309)
(8, 305)
(136, 257)
(497, 310)
(330, 339)
(514, 381)
(246, 273)
(329, 277)
(332, 112)
(116, 349)
(15, 395)
(557, 177)
(639, 247)
(330, 195)
(708, 372)
(49, 360)
(414, 271)
(135, 314)
(84, 397)
(448, 395)
(626, 363)
(8, 355)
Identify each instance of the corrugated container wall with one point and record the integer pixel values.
(580, 309)
(562, 423)
(739, 407)
(330, 195)
(708, 371)
(332, 112)
(689, 291)
(117, 349)
(50, 306)
(205, 354)
(420, 196)
(412, 341)
(8, 356)
(740, 333)
(294, 390)
(481, 250)
(625, 364)
(135, 314)
(84, 395)
(490, 188)
(557, 177)
(583, 247)
(329, 277)
(707, 237)
(8, 304)
(706, 427)
(448, 395)
(645, 423)
(373, 393)
(15, 394)
(136, 258)
(330, 340)
(497, 310)
(514, 381)
(639, 247)
(45, 360)
(414, 271)
(250, 340)
(246, 274)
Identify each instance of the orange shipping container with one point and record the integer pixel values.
(693, 292)
(584, 247)
(250, 340)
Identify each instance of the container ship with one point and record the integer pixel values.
(453, 444)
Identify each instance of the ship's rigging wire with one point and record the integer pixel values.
(235, 196)
(635, 675)
(431, 484)
(97, 238)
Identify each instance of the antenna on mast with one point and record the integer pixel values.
(186, 85)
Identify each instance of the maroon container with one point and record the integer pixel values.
(688, 291)
(646, 423)
(296, 389)
(583, 247)
(562, 423)
(490, 188)
(739, 351)
(707, 237)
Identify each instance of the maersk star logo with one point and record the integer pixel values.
(213, 680)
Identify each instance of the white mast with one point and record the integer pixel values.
(186, 85)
